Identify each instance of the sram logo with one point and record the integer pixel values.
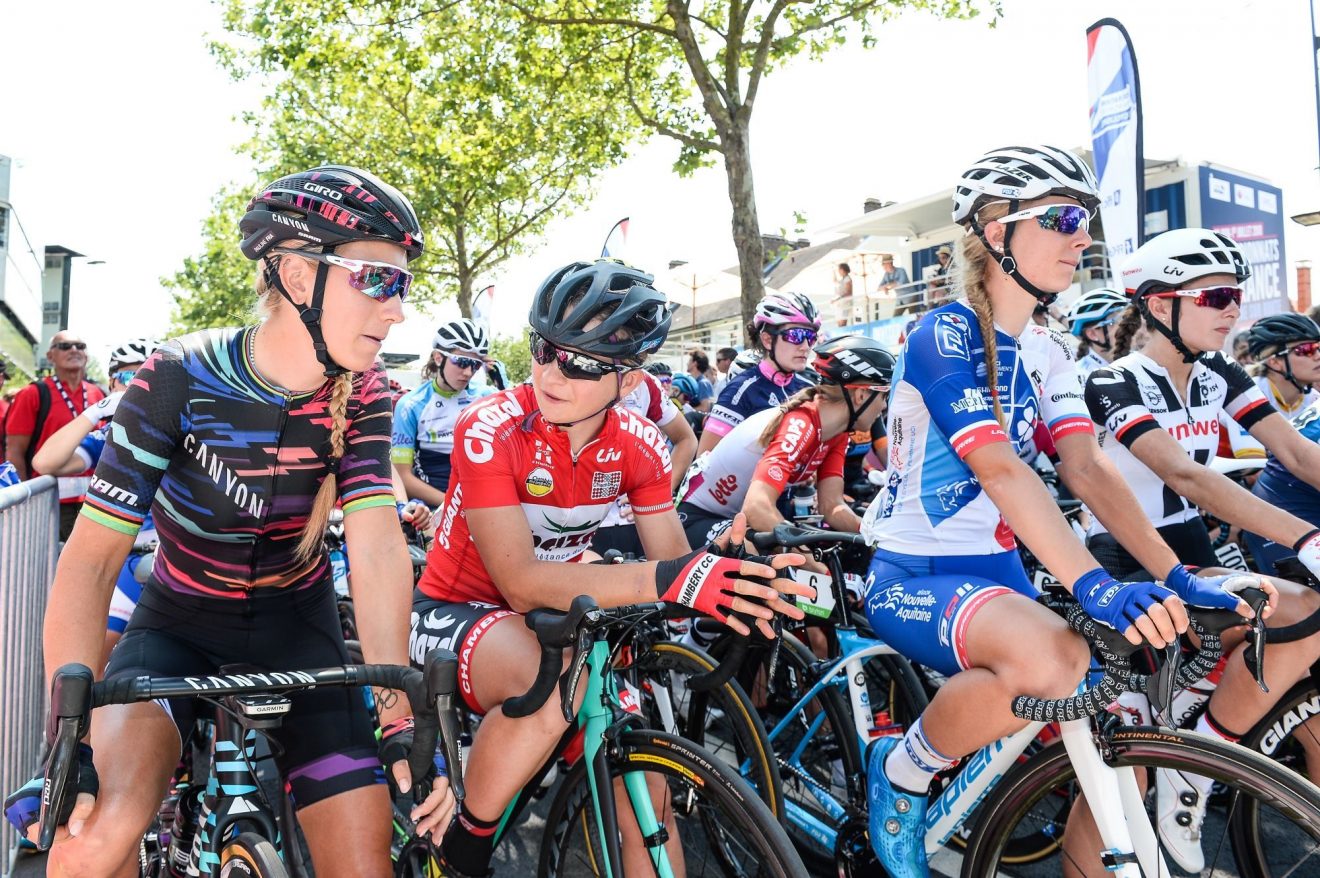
(114, 492)
(332, 194)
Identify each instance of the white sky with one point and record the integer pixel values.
(122, 127)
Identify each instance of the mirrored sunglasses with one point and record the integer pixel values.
(1217, 298)
(379, 280)
(1305, 349)
(799, 335)
(1066, 219)
(573, 365)
(123, 377)
(466, 362)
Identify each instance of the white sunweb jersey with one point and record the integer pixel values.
(940, 410)
(1135, 395)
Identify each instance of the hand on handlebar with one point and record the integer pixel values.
(1220, 592)
(416, 513)
(1137, 609)
(23, 806)
(719, 581)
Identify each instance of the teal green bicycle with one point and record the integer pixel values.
(633, 794)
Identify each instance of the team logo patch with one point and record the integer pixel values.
(776, 473)
(540, 482)
(605, 485)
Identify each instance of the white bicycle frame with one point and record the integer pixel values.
(1114, 797)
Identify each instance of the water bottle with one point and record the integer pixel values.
(339, 570)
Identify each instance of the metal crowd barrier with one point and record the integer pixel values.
(29, 542)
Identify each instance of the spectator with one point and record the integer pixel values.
(41, 408)
(724, 358)
(697, 366)
(893, 278)
(4, 397)
(938, 285)
(843, 290)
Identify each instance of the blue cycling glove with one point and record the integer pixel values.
(1117, 604)
(23, 806)
(1202, 591)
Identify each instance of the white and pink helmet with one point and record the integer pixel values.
(786, 309)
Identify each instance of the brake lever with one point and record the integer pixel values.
(1255, 653)
(568, 682)
(1163, 684)
(778, 627)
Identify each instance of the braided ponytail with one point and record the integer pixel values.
(802, 397)
(1126, 327)
(314, 531)
(971, 261)
(1083, 347)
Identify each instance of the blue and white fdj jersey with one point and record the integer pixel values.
(941, 411)
(423, 433)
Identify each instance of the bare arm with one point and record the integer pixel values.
(16, 446)
(58, 455)
(838, 514)
(415, 488)
(680, 433)
(760, 506)
(382, 590)
(1214, 492)
(662, 535)
(709, 439)
(1093, 479)
(80, 596)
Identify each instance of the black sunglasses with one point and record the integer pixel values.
(69, 345)
(573, 365)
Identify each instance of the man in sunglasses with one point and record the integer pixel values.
(535, 468)
(46, 405)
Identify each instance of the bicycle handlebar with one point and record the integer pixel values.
(74, 695)
(791, 536)
(1115, 652)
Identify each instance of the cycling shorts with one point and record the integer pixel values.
(328, 743)
(923, 606)
(457, 626)
(701, 526)
(1189, 541)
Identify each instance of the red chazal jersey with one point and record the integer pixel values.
(505, 454)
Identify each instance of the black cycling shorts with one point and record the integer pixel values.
(453, 625)
(700, 526)
(329, 746)
(1190, 541)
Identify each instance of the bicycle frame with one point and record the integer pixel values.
(1114, 795)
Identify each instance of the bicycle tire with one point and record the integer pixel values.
(829, 760)
(1249, 776)
(722, 721)
(699, 785)
(249, 855)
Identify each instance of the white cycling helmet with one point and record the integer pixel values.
(1175, 259)
(748, 359)
(1181, 256)
(462, 335)
(1095, 308)
(1023, 173)
(135, 351)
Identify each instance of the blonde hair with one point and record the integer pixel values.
(269, 301)
(971, 261)
(829, 392)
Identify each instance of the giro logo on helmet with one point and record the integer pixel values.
(332, 194)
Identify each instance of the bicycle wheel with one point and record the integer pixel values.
(249, 855)
(1279, 806)
(723, 828)
(723, 721)
(817, 752)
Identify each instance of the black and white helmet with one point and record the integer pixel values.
(1023, 173)
(134, 351)
(1094, 308)
(748, 359)
(462, 335)
(854, 359)
(1181, 256)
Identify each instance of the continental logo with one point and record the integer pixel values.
(539, 482)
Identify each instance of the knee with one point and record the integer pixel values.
(1059, 661)
(91, 854)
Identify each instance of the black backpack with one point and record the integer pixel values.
(43, 409)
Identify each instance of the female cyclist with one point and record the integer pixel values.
(535, 469)
(244, 439)
(423, 434)
(785, 327)
(946, 584)
(1286, 348)
(1280, 488)
(1089, 318)
(805, 438)
(1160, 411)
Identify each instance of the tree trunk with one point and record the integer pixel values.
(463, 270)
(746, 226)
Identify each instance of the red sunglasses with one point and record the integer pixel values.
(1217, 298)
(1305, 349)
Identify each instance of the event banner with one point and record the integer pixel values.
(1251, 213)
(1115, 96)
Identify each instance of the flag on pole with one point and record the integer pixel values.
(616, 241)
(483, 305)
(1116, 136)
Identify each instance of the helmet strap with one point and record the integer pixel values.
(1288, 375)
(1007, 263)
(774, 344)
(440, 372)
(854, 412)
(1171, 331)
(310, 315)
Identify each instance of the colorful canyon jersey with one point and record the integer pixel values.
(941, 410)
(1134, 395)
(233, 464)
(505, 454)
